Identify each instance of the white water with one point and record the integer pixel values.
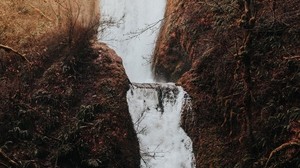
(133, 16)
(156, 113)
(154, 108)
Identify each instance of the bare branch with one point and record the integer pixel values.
(13, 163)
(290, 58)
(41, 13)
(282, 147)
(9, 49)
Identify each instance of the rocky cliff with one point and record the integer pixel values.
(239, 61)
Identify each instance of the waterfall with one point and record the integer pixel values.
(134, 33)
(156, 113)
(155, 108)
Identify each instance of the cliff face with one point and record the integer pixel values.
(68, 113)
(242, 71)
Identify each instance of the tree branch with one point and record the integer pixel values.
(42, 13)
(13, 163)
(280, 148)
(9, 49)
(291, 58)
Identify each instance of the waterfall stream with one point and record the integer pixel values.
(156, 113)
(155, 108)
(133, 34)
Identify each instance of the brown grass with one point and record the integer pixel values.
(24, 22)
(41, 30)
(20, 24)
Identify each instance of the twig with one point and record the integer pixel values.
(145, 162)
(230, 96)
(42, 13)
(4, 165)
(53, 138)
(141, 31)
(13, 163)
(294, 57)
(280, 148)
(9, 49)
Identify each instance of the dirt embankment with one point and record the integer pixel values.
(66, 106)
(242, 71)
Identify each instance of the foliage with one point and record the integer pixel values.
(225, 13)
(44, 121)
(219, 41)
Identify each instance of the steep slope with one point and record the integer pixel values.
(241, 68)
(65, 105)
(72, 115)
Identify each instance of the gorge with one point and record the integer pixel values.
(155, 108)
(82, 90)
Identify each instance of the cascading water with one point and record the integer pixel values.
(133, 36)
(155, 108)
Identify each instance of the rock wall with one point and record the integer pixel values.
(201, 46)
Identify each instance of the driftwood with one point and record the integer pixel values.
(9, 49)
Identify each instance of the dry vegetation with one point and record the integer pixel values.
(35, 30)
(25, 22)
(243, 75)
(58, 109)
(21, 24)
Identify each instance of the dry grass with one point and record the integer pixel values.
(20, 24)
(24, 22)
(43, 31)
